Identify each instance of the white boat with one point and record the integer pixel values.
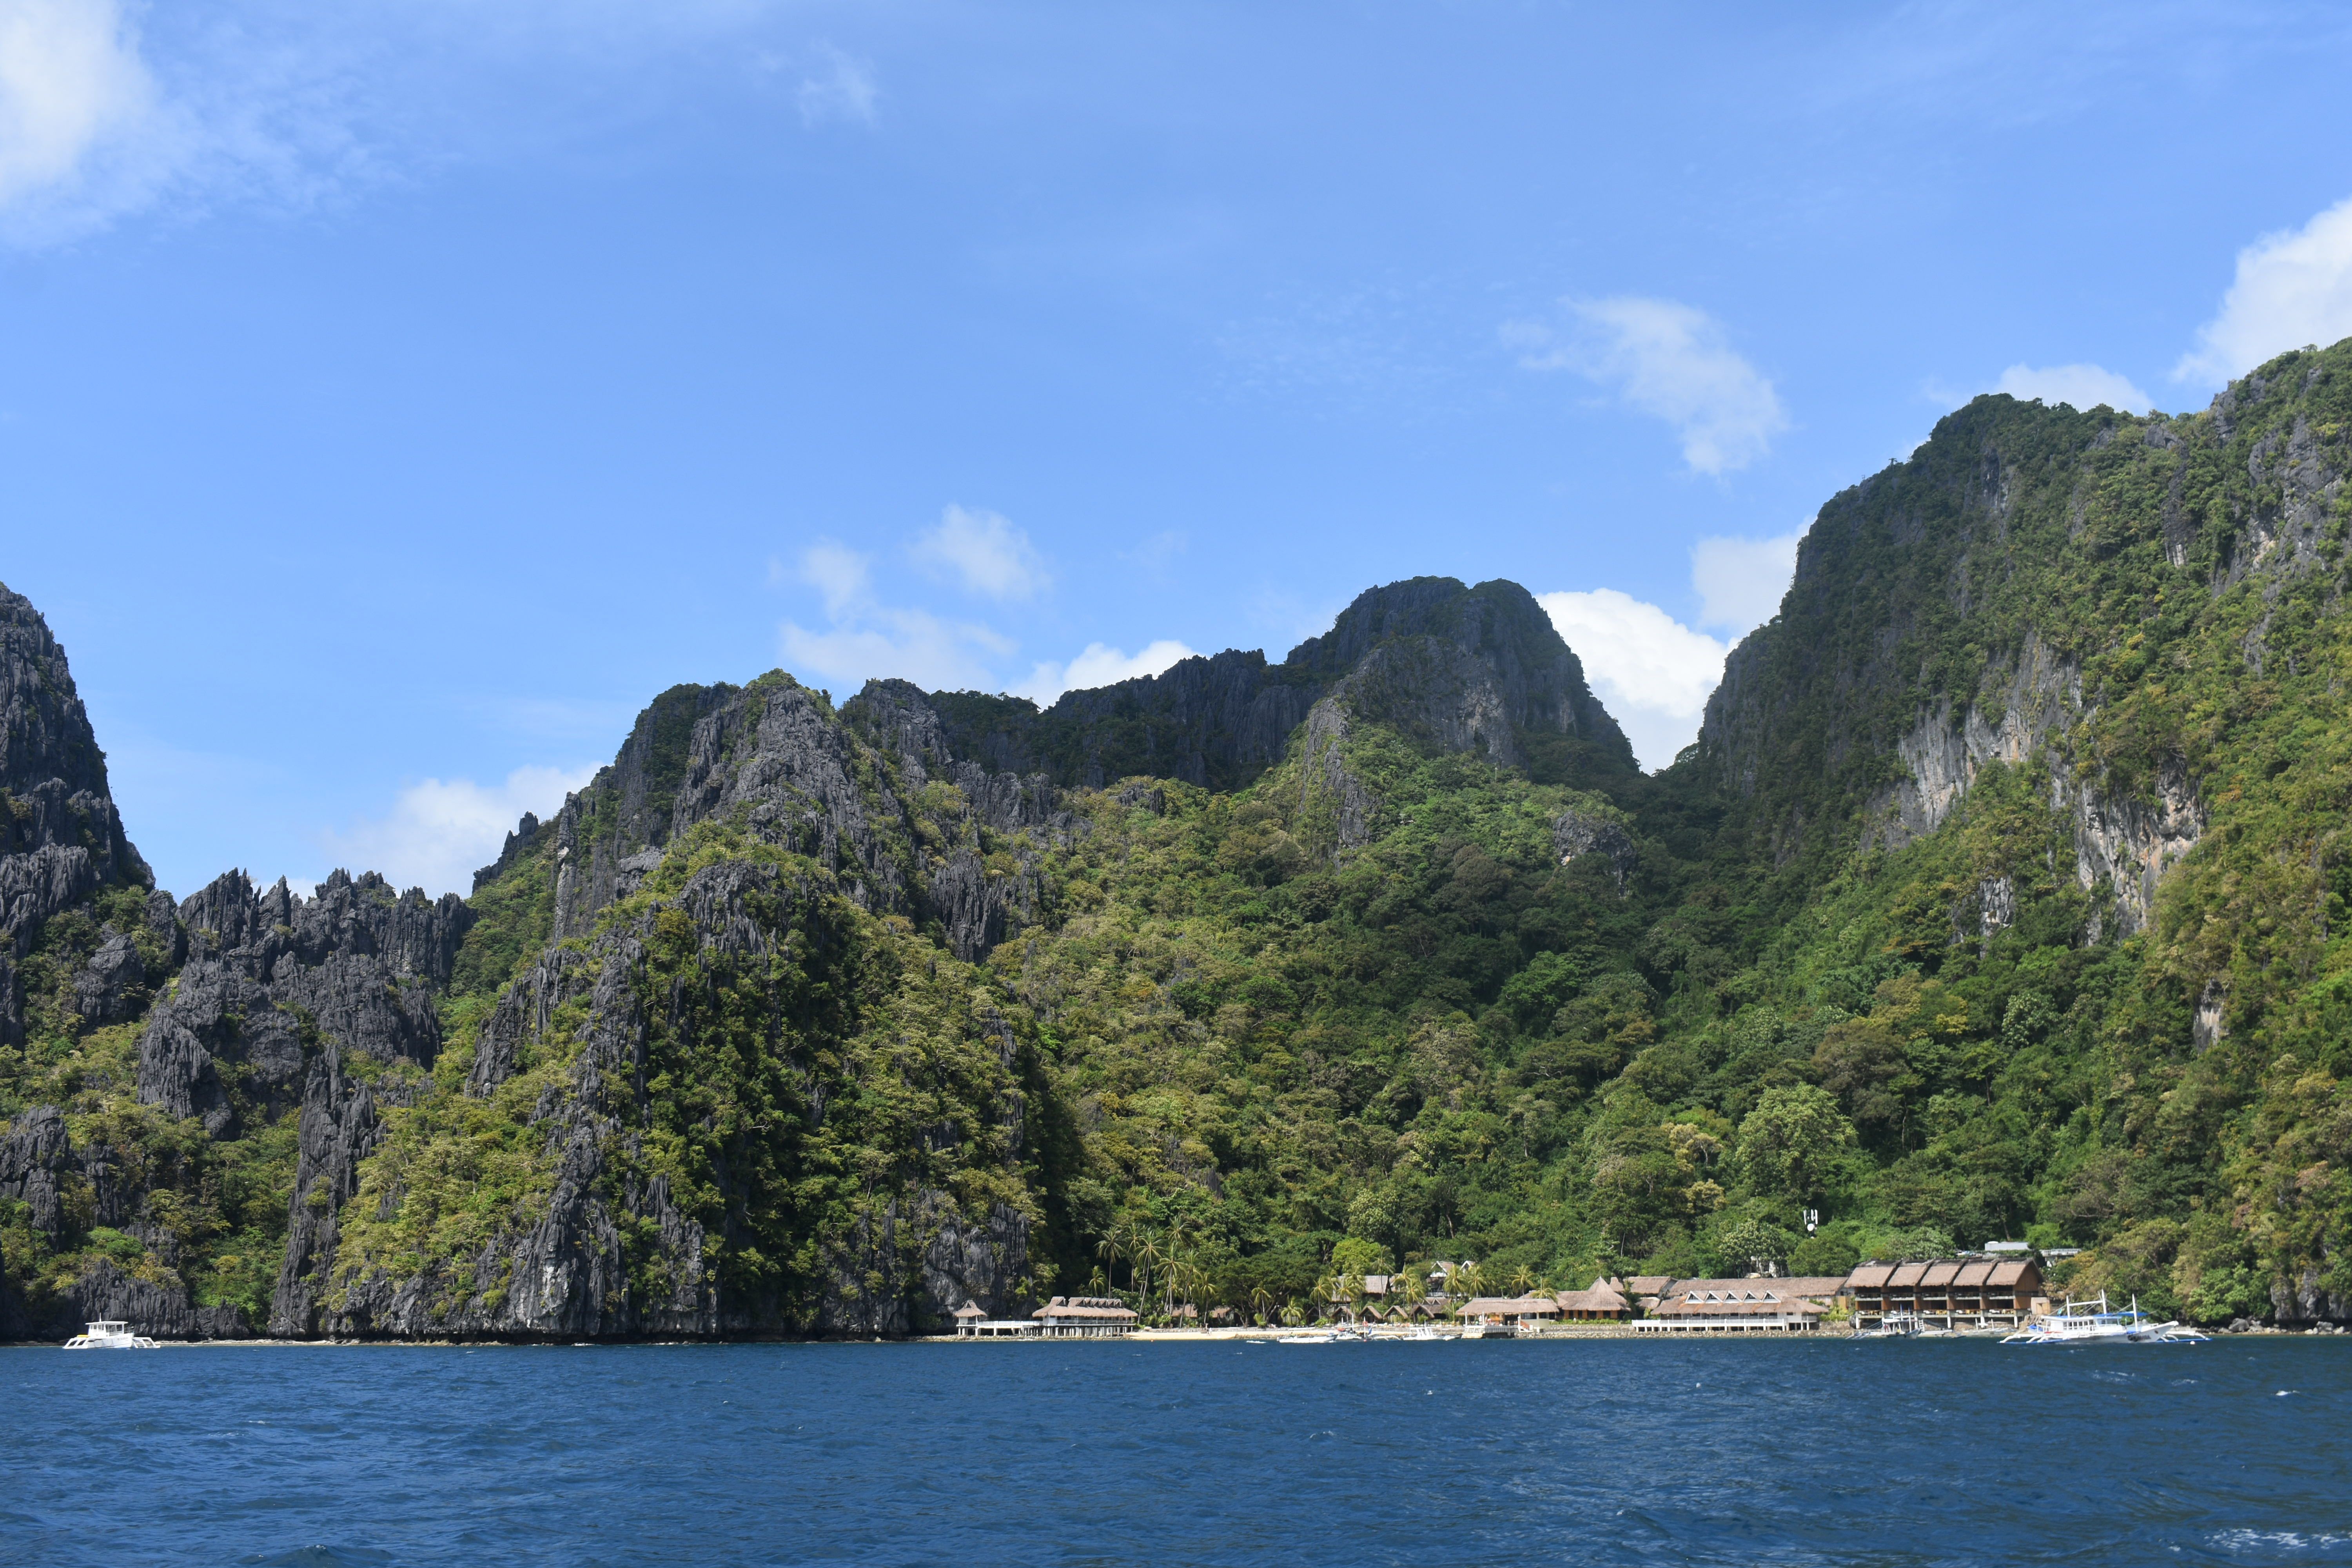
(2096, 1323)
(1323, 1337)
(109, 1334)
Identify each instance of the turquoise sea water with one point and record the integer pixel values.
(1498, 1452)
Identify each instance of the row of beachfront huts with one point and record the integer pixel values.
(1973, 1292)
(1983, 1293)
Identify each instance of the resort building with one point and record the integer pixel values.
(1376, 1306)
(1604, 1302)
(1749, 1306)
(1951, 1292)
(1511, 1311)
(972, 1323)
(1084, 1318)
(1646, 1290)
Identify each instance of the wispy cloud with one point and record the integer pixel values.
(1668, 360)
(984, 553)
(111, 107)
(841, 88)
(1099, 665)
(1160, 551)
(837, 571)
(2083, 386)
(2293, 288)
(869, 639)
(1740, 582)
(439, 832)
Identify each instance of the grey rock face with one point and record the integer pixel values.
(11, 1006)
(1531, 678)
(36, 1160)
(2027, 710)
(583, 1268)
(271, 979)
(278, 998)
(1432, 692)
(1478, 670)
(1220, 722)
(339, 1128)
(1144, 797)
(1325, 784)
(1580, 833)
(851, 791)
(159, 1311)
(60, 837)
(111, 987)
(65, 1188)
(1832, 688)
(2304, 1301)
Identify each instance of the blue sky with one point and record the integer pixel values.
(395, 396)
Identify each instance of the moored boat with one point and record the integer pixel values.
(109, 1334)
(2096, 1323)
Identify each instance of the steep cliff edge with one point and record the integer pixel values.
(61, 840)
(2035, 784)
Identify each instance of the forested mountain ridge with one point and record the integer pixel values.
(2000, 896)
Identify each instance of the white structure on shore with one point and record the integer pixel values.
(1751, 1306)
(1063, 1318)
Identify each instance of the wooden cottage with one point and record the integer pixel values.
(1950, 1292)
(1084, 1318)
(1530, 1310)
(1604, 1303)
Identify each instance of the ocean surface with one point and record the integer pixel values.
(1443, 1454)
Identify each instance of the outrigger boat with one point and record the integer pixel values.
(109, 1334)
(2096, 1323)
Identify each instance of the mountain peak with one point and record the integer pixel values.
(60, 837)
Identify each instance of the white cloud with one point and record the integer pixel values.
(1669, 360)
(1740, 582)
(1099, 665)
(2085, 387)
(440, 831)
(909, 644)
(72, 89)
(845, 89)
(984, 552)
(2293, 288)
(1653, 673)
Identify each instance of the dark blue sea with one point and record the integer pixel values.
(1443, 1454)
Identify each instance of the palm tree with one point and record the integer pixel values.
(1260, 1298)
(1146, 1264)
(1523, 1279)
(1117, 1242)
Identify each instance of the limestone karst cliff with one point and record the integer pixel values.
(2003, 895)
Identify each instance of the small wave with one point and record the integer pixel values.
(322, 1557)
(2288, 1540)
